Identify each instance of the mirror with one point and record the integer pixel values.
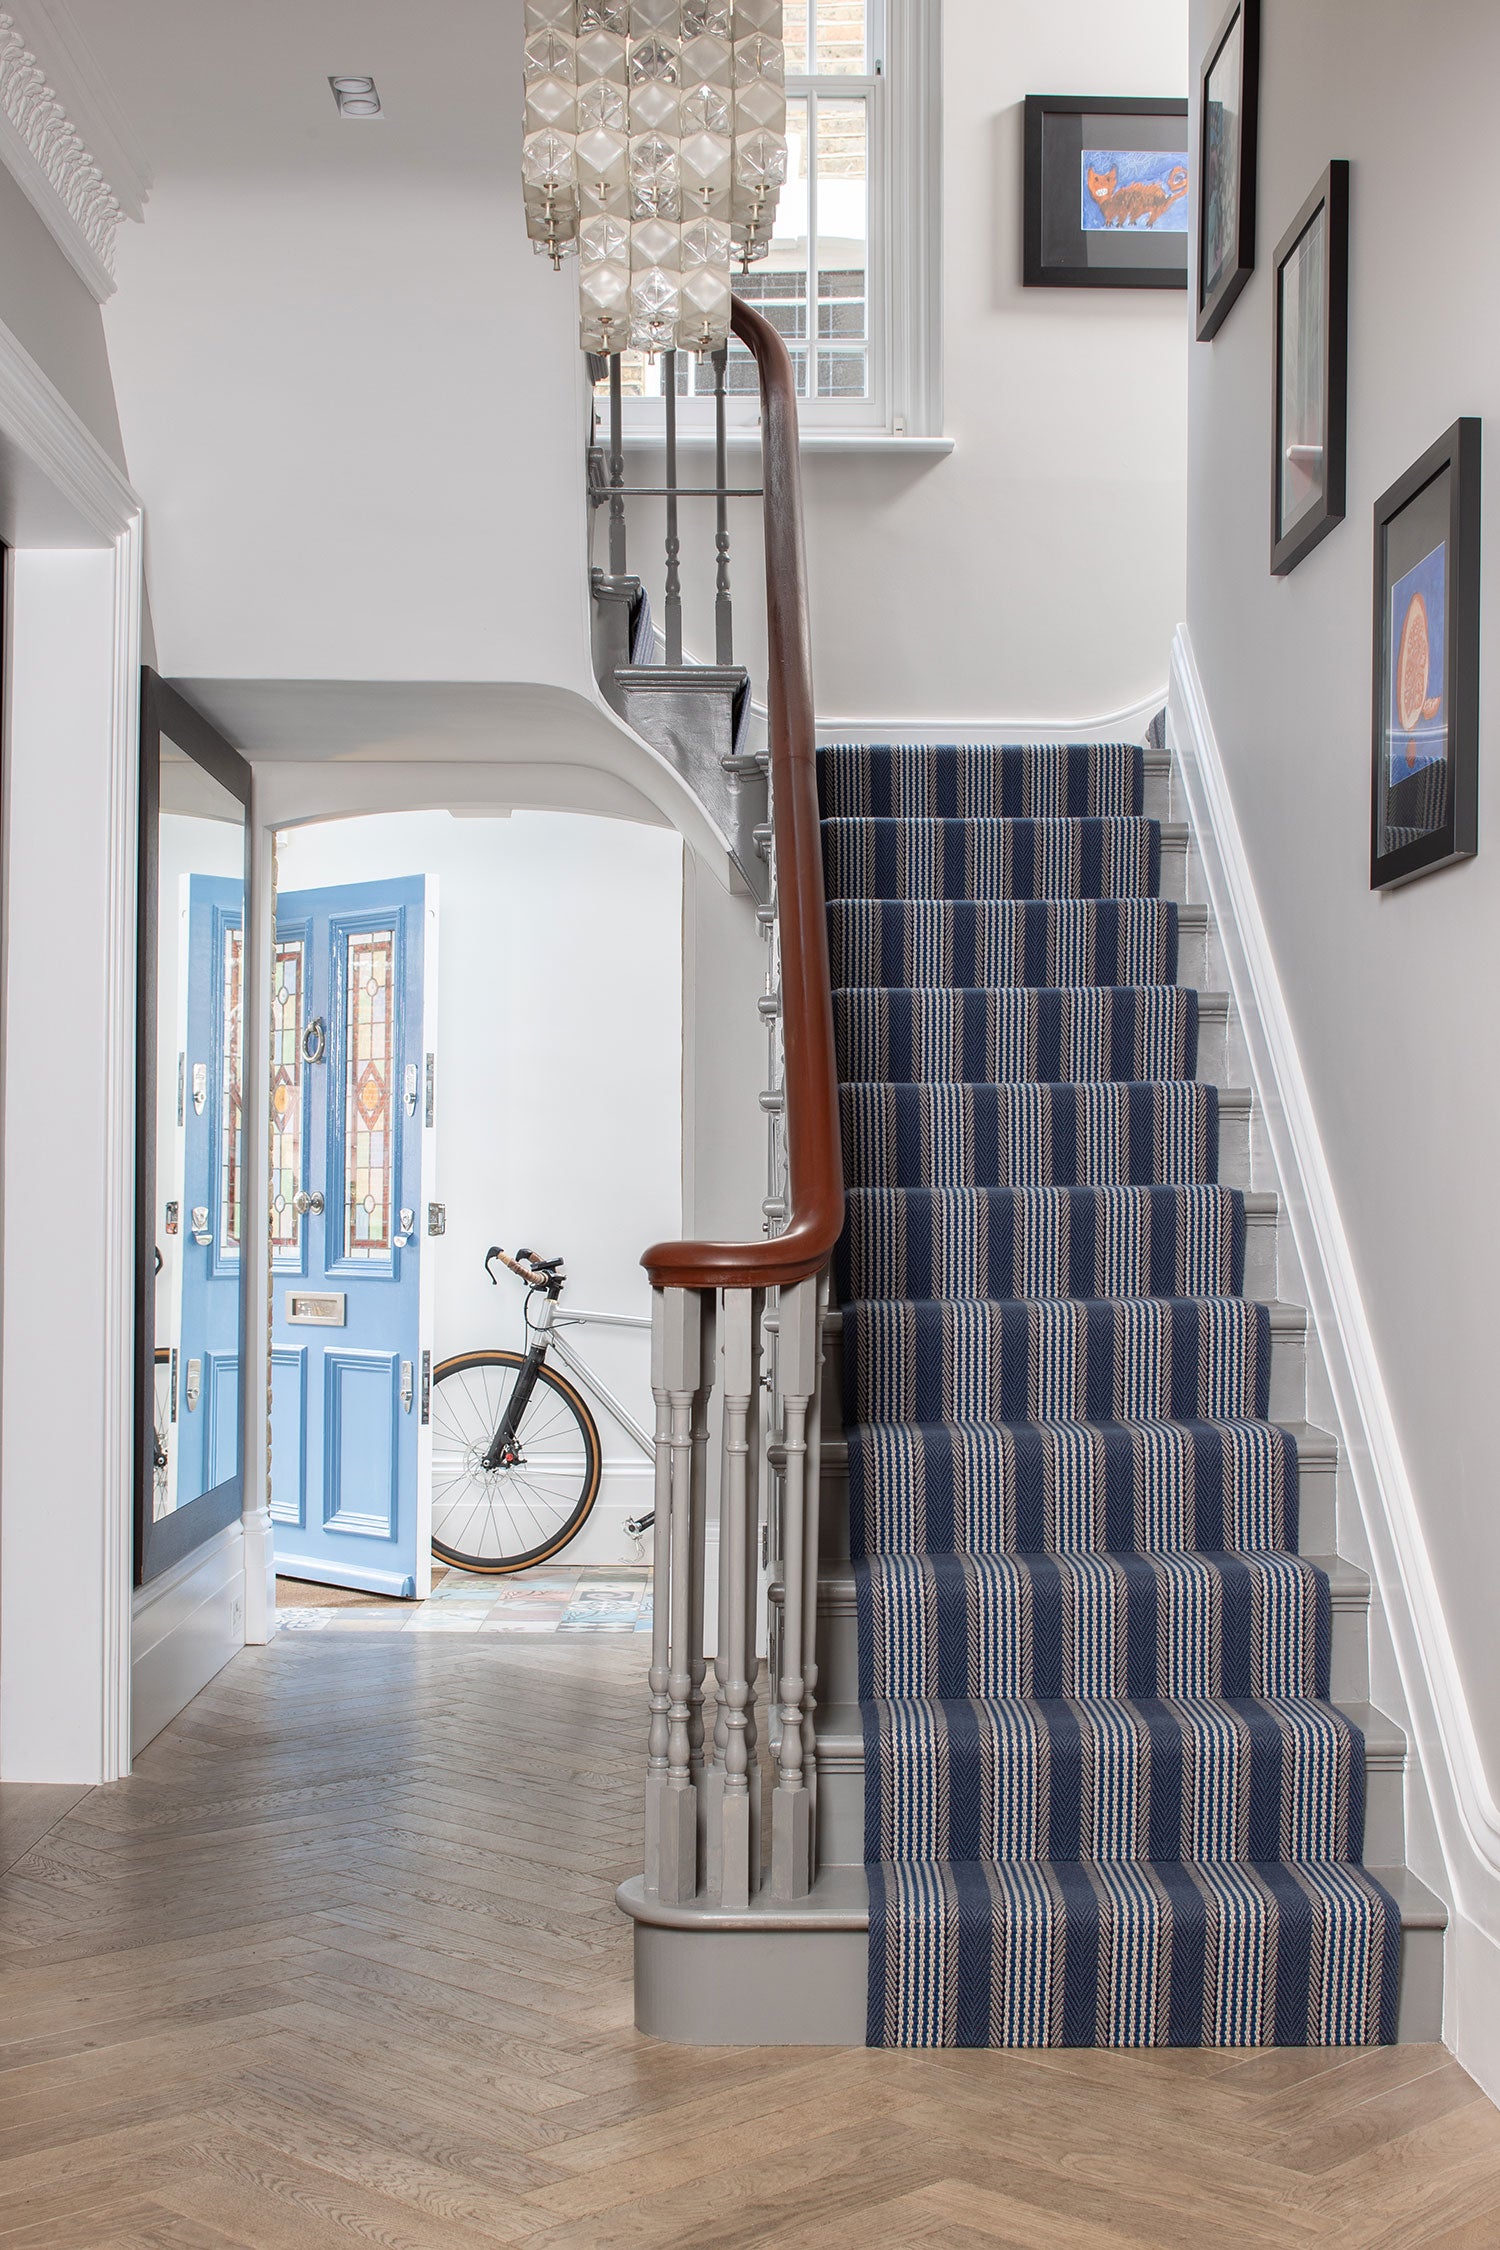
(192, 1272)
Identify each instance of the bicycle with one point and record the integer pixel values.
(516, 1457)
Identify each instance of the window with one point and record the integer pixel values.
(851, 276)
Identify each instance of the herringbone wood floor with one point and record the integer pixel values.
(340, 1965)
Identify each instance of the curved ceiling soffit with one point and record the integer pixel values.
(55, 111)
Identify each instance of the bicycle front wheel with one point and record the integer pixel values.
(498, 1520)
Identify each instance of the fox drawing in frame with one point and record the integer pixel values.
(1138, 202)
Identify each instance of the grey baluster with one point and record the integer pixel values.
(791, 1804)
(682, 1363)
(739, 1801)
(697, 1668)
(723, 607)
(617, 563)
(674, 544)
(661, 1613)
(811, 1556)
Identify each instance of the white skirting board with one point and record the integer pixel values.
(1462, 1860)
(186, 1626)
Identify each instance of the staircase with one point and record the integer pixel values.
(1089, 1735)
(1070, 1740)
(1082, 1661)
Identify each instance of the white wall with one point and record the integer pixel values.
(1388, 995)
(351, 393)
(1036, 572)
(559, 1045)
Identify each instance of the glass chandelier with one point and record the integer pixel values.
(655, 147)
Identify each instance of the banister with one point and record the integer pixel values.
(814, 1156)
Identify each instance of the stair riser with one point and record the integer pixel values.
(1317, 1508)
(773, 1987)
(1259, 1279)
(1349, 1664)
(841, 1806)
(1288, 1379)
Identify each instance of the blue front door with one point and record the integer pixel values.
(349, 1116)
(208, 1360)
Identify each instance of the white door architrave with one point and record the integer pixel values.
(67, 1158)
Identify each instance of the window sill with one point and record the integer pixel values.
(879, 442)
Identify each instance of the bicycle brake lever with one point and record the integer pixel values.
(489, 1260)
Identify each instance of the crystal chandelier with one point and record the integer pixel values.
(655, 147)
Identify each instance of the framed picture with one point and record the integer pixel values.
(1227, 114)
(1106, 201)
(1425, 796)
(1310, 397)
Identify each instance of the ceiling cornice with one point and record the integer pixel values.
(64, 139)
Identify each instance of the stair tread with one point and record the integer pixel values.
(839, 1900)
(1316, 1448)
(840, 1733)
(1259, 1203)
(1348, 1585)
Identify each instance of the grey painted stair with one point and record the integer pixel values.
(1318, 1466)
(841, 1783)
(796, 1975)
(838, 1639)
(1288, 1366)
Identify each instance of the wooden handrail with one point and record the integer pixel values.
(814, 1157)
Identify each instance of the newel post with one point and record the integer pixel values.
(671, 1794)
(791, 1805)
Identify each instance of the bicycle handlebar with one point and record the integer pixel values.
(537, 1273)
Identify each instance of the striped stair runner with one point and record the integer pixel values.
(1107, 1799)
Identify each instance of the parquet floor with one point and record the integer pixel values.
(340, 1965)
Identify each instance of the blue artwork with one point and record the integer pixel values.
(1137, 189)
(1416, 720)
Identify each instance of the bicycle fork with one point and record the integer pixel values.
(504, 1447)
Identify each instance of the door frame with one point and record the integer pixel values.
(73, 525)
(158, 1546)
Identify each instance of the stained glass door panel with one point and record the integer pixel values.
(350, 1137)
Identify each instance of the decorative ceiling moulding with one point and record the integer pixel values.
(47, 151)
(655, 149)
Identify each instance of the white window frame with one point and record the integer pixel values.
(904, 300)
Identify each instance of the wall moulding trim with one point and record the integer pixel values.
(46, 154)
(1464, 1807)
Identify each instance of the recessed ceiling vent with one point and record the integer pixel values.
(355, 97)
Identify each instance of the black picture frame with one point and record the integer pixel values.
(1058, 251)
(160, 1544)
(1220, 282)
(1427, 816)
(1294, 534)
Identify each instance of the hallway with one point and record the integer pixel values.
(341, 1963)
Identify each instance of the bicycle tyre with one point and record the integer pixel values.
(556, 1489)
